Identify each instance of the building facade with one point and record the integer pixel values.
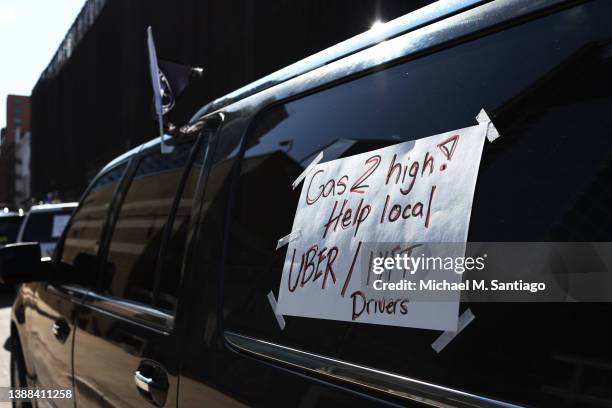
(93, 102)
(14, 137)
(22, 192)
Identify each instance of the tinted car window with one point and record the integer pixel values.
(9, 228)
(167, 289)
(84, 231)
(45, 226)
(130, 268)
(545, 81)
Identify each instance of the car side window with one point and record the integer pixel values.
(540, 110)
(167, 281)
(84, 233)
(130, 270)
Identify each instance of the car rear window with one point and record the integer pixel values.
(46, 226)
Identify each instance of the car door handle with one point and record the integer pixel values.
(152, 382)
(142, 382)
(61, 330)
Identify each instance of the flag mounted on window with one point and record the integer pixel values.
(169, 80)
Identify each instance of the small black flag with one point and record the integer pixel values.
(169, 80)
(174, 79)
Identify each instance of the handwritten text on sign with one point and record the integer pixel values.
(416, 191)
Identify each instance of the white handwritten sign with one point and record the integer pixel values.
(416, 191)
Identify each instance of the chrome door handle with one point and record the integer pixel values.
(142, 382)
(61, 330)
(152, 382)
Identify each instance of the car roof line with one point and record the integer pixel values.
(408, 22)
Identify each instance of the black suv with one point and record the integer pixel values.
(158, 290)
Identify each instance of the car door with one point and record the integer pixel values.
(50, 324)
(51, 316)
(531, 354)
(126, 348)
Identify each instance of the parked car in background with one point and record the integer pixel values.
(10, 222)
(44, 224)
(159, 288)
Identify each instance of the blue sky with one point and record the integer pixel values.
(30, 32)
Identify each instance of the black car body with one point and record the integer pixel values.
(158, 289)
(10, 222)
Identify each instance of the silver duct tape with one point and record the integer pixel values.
(279, 318)
(483, 119)
(448, 336)
(288, 238)
(307, 170)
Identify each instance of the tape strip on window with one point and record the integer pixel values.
(484, 120)
(307, 170)
(279, 318)
(288, 238)
(448, 336)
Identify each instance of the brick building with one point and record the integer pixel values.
(16, 131)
